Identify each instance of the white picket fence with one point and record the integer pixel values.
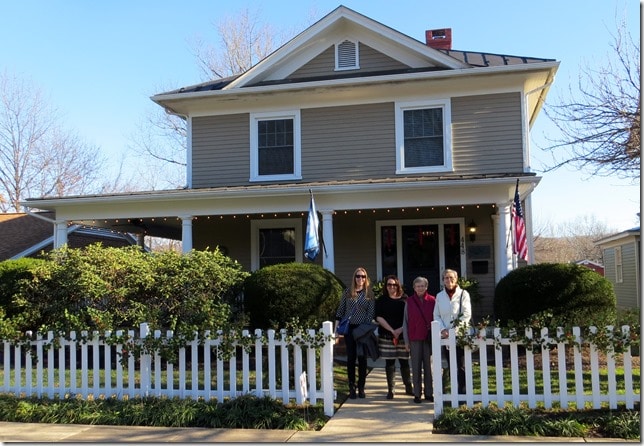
(579, 394)
(295, 373)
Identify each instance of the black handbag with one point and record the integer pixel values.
(343, 325)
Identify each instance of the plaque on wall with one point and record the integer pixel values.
(478, 252)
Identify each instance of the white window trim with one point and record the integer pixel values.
(256, 225)
(400, 108)
(254, 149)
(619, 266)
(441, 222)
(356, 66)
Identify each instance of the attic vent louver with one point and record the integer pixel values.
(346, 55)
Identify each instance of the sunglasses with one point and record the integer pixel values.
(392, 284)
(360, 276)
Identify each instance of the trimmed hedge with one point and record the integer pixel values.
(573, 294)
(106, 288)
(276, 294)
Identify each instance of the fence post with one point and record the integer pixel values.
(145, 361)
(326, 368)
(437, 372)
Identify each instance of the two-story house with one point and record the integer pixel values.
(411, 149)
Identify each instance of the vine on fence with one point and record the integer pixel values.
(228, 340)
(610, 340)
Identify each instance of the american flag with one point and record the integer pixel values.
(520, 244)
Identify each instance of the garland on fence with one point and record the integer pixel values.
(228, 341)
(611, 340)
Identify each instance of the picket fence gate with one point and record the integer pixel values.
(303, 374)
(580, 394)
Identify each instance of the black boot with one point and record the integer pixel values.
(390, 370)
(352, 391)
(406, 377)
(362, 375)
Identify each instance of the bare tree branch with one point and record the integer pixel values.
(37, 157)
(600, 124)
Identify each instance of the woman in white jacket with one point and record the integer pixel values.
(453, 308)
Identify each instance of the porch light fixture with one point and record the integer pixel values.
(471, 230)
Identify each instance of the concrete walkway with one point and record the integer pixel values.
(373, 419)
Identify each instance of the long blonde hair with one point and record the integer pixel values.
(368, 292)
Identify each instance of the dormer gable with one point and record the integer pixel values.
(346, 31)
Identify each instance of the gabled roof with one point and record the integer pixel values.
(618, 237)
(344, 23)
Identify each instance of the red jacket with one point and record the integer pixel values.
(415, 328)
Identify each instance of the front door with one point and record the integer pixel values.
(423, 248)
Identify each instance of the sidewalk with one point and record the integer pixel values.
(373, 419)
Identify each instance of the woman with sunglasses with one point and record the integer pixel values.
(358, 303)
(390, 313)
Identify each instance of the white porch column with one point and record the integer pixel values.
(186, 233)
(60, 234)
(328, 256)
(503, 241)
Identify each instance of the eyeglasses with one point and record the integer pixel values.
(360, 276)
(392, 284)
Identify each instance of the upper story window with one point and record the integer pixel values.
(423, 137)
(275, 146)
(347, 55)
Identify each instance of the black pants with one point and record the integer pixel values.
(352, 355)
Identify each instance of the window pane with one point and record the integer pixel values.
(423, 137)
(275, 147)
(276, 245)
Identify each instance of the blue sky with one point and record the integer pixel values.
(99, 62)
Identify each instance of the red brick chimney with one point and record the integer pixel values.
(439, 38)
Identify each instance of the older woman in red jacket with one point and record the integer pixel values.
(419, 314)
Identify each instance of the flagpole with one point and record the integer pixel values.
(515, 255)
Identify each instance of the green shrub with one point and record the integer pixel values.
(11, 273)
(104, 288)
(568, 294)
(276, 294)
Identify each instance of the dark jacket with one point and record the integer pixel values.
(366, 340)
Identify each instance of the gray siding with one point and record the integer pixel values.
(231, 233)
(627, 294)
(358, 142)
(348, 142)
(324, 64)
(220, 151)
(627, 291)
(487, 134)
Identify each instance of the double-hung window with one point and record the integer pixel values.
(275, 146)
(423, 137)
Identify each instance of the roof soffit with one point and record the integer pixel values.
(367, 90)
(343, 23)
(287, 199)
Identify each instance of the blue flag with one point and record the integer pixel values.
(312, 242)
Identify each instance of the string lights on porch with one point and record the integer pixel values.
(336, 213)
